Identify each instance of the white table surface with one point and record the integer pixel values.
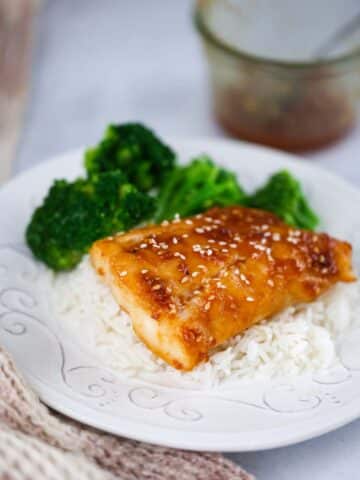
(120, 60)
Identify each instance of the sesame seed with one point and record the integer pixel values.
(209, 252)
(199, 215)
(220, 285)
(196, 292)
(188, 222)
(212, 297)
(250, 299)
(233, 245)
(294, 241)
(225, 250)
(207, 306)
(211, 240)
(184, 279)
(164, 223)
(185, 235)
(199, 230)
(276, 237)
(195, 274)
(270, 282)
(156, 287)
(208, 219)
(168, 290)
(143, 245)
(175, 241)
(202, 267)
(322, 258)
(144, 270)
(222, 243)
(123, 273)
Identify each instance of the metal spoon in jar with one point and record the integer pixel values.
(337, 38)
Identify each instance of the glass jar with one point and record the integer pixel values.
(267, 85)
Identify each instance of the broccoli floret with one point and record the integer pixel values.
(136, 151)
(283, 195)
(75, 214)
(196, 187)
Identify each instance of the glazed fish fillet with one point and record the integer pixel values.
(190, 285)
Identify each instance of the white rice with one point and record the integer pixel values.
(298, 340)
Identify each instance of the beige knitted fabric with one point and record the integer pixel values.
(27, 458)
(36, 443)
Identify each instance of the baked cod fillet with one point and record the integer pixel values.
(190, 285)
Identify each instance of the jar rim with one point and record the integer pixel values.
(211, 37)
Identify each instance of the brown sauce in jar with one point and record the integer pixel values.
(309, 116)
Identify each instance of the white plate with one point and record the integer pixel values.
(259, 416)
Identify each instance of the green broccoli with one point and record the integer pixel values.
(136, 151)
(196, 187)
(283, 195)
(75, 214)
